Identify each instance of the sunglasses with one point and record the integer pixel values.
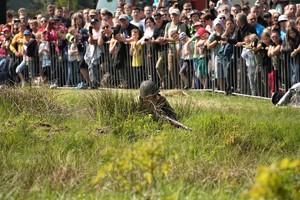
(187, 9)
(273, 37)
(105, 27)
(253, 19)
(222, 18)
(43, 21)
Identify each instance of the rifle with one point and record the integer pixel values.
(172, 121)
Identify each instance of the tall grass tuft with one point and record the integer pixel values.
(36, 102)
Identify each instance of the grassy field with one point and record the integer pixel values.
(71, 144)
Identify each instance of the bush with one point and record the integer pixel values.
(281, 180)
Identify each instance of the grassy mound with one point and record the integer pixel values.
(100, 144)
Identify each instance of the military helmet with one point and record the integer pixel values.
(148, 88)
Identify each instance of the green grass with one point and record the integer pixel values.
(54, 147)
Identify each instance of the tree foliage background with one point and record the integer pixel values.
(35, 6)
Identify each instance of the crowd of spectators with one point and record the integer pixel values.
(177, 48)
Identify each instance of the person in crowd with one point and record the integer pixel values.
(224, 9)
(108, 18)
(218, 62)
(44, 57)
(186, 70)
(128, 11)
(194, 17)
(16, 47)
(274, 53)
(21, 67)
(268, 18)
(124, 36)
(252, 20)
(235, 9)
(136, 19)
(43, 24)
(230, 31)
(147, 13)
(257, 11)
(65, 17)
(171, 36)
(187, 9)
(22, 12)
(207, 20)
(33, 25)
(86, 17)
(201, 58)
(5, 40)
(136, 52)
(292, 43)
(274, 4)
(93, 54)
(74, 58)
(160, 48)
(243, 29)
(223, 2)
(282, 20)
(248, 56)
(150, 57)
(245, 10)
(51, 10)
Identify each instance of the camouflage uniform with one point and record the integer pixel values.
(154, 102)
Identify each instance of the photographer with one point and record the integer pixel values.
(93, 53)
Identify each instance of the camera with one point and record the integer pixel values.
(255, 42)
(217, 37)
(90, 30)
(146, 39)
(116, 30)
(17, 20)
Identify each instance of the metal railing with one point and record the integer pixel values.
(165, 67)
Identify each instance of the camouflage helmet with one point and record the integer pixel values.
(148, 88)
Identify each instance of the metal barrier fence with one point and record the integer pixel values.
(131, 65)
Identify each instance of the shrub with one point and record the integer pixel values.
(138, 169)
(281, 180)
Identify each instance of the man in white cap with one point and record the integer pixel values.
(173, 57)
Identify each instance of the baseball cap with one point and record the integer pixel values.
(26, 32)
(94, 20)
(175, 11)
(201, 31)
(195, 12)
(267, 15)
(157, 14)
(123, 17)
(282, 18)
(182, 35)
(92, 12)
(246, 8)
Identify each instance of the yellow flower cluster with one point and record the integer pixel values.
(136, 169)
(280, 180)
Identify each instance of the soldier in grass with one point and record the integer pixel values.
(155, 102)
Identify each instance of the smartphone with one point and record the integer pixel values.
(90, 30)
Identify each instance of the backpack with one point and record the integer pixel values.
(226, 50)
(31, 48)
